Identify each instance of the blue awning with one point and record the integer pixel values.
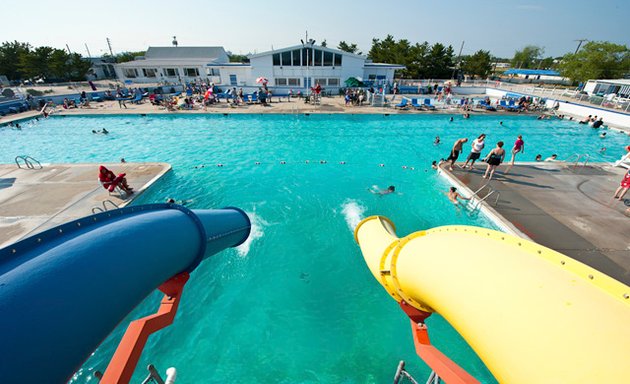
(534, 72)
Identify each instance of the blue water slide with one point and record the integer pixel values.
(64, 290)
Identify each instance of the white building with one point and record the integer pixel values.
(173, 65)
(296, 67)
(618, 87)
(303, 67)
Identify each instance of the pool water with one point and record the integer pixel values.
(296, 303)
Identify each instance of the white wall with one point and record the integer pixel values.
(580, 111)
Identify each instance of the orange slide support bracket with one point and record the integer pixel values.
(125, 359)
(444, 367)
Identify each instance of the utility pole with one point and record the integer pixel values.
(68, 48)
(580, 41)
(458, 60)
(109, 44)
(88, 50)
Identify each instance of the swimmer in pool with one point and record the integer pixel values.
(453, 195)
(377, 191)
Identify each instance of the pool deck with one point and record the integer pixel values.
(570, 210)
(33, 200)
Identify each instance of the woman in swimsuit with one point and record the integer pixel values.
(494, 158)
(519, 146)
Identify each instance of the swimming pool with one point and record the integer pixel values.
(296, 303)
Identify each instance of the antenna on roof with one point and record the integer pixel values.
(174, 41)
(109, 44)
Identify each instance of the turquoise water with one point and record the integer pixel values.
(296, 303)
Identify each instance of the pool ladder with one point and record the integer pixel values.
(28, 161)
(491, 192)
(402, 376)
(581, 159)
(99, 209)
(152, 377)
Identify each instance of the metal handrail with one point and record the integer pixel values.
(99, 209)
(28, 162)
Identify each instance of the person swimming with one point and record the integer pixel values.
(453, 195)
(377, 191)
(437, 140)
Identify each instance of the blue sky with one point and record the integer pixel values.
(244, 26)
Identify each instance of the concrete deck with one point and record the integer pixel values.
(570, 210)
(33, 200)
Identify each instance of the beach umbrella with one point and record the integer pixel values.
(353, 82)
(262, 80)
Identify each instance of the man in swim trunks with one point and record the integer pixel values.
(453, 195)
(455, 151)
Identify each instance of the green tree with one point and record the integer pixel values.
(124, 57)
(596, 60)
(528, 57)
(439, 62)
(11, 54)
(351, 48)
(36, 63)
(238, 58)
(478, 64)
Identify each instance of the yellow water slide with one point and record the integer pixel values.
(533, 315)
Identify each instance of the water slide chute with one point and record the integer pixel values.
(533, 315)
(64, 290)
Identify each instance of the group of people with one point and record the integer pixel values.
(493, 159)
(593, 121)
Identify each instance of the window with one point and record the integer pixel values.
(294, 82)
(321, 82)
(333, 82)
(296, 58)
(286, 58)
(171, 72)
(307, 54)
(149, 72)
(337, 60)
(276, 59)
(233, 80)
(318, 57)
(328, 59)
(130, 72)
(371, 77)
(191, 72)
(281, 82)
(212, 72)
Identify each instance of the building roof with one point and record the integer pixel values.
(173, 53)
(300, 46)
(614, 81)
(543, 72)
(384, 65)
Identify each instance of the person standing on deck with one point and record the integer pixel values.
(455, 151)
(519, 146)
(475, 151)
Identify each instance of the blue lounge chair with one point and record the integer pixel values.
(512, 106)
(415, 104)
(402, 104)
(427, 104)
(503, 105)
(137, 99)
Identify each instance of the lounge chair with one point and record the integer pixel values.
(119, 191)
(427, 104)
(512, 106)
(502, 105)
(403, 104)
(415, 104)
